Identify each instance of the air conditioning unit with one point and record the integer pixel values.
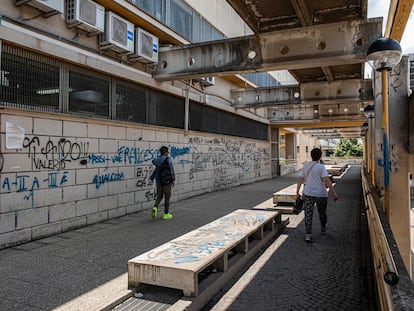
(45, 6)
(146, 47)
(118, 35)
(86, 15)
(207, 81)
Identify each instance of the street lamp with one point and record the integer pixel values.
(369, 112)
(384, 54)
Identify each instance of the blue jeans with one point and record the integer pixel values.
(308, 204)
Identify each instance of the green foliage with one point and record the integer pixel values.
(349, 148)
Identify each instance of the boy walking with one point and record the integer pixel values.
(164, 176)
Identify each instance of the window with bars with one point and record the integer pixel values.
(131, 103)
(88, 94)
(211, 120)
(32, 81)
(28, 80)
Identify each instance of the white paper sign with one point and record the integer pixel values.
(14, 136)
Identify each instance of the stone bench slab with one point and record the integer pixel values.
(178, 263)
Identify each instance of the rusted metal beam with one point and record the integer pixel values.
(308, 47)
(328, 73)
(303, 11)
(314, 93)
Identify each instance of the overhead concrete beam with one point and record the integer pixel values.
(259, 97)
(322, 45)
(315, 93)
(316, 123)
(335, 113)
(352, 90)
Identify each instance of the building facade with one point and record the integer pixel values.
(82, 118)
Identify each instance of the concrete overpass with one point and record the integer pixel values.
(324, 46)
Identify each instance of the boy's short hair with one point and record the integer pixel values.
(316, 154)
(163, 150)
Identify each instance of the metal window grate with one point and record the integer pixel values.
(208, 119)
(28, 80)
(32, 81)
(166, 110)
(131, 103)
(88, 94)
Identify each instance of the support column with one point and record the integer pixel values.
(399, 160)
(372, 150)
(386, 134)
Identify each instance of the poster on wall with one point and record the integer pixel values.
(14, 136)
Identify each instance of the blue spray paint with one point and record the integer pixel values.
(386, 162)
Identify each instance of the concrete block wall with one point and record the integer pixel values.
(68, 174)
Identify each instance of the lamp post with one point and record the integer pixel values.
(369, 112)
(384, 54)
(364, 133)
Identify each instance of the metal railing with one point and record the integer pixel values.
(395, 290)
(385, 271)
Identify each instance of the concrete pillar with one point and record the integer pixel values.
(400, 160)
(274, 151)
(290, 146)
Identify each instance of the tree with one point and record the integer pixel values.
(349, 148)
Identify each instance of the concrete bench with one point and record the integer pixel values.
(286, 196)
(284, 199)
(210, 254)
(335, 170)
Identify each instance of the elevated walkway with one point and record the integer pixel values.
(86, 269)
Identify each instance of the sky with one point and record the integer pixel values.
(380, 8)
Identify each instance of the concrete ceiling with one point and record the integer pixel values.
(322, 43)
(267, 15)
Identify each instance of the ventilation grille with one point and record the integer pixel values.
(119, 30)
(146, 45)
(87, 12)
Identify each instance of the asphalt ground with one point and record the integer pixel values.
(332, 273)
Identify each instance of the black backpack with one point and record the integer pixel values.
(165, 175)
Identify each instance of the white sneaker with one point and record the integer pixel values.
(308, 238)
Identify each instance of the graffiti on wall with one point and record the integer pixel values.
(27, 184)
(207, 240)
(55, 155)
(231, 159)
(143, 175)
(99, 180)
(227, 162)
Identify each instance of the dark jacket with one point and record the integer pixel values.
(157, 162)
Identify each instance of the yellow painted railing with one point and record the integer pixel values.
(386, 273)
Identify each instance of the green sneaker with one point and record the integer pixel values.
(167, 216)
(154, 212)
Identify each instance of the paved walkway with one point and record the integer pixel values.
(330, 274)
(333, 273)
